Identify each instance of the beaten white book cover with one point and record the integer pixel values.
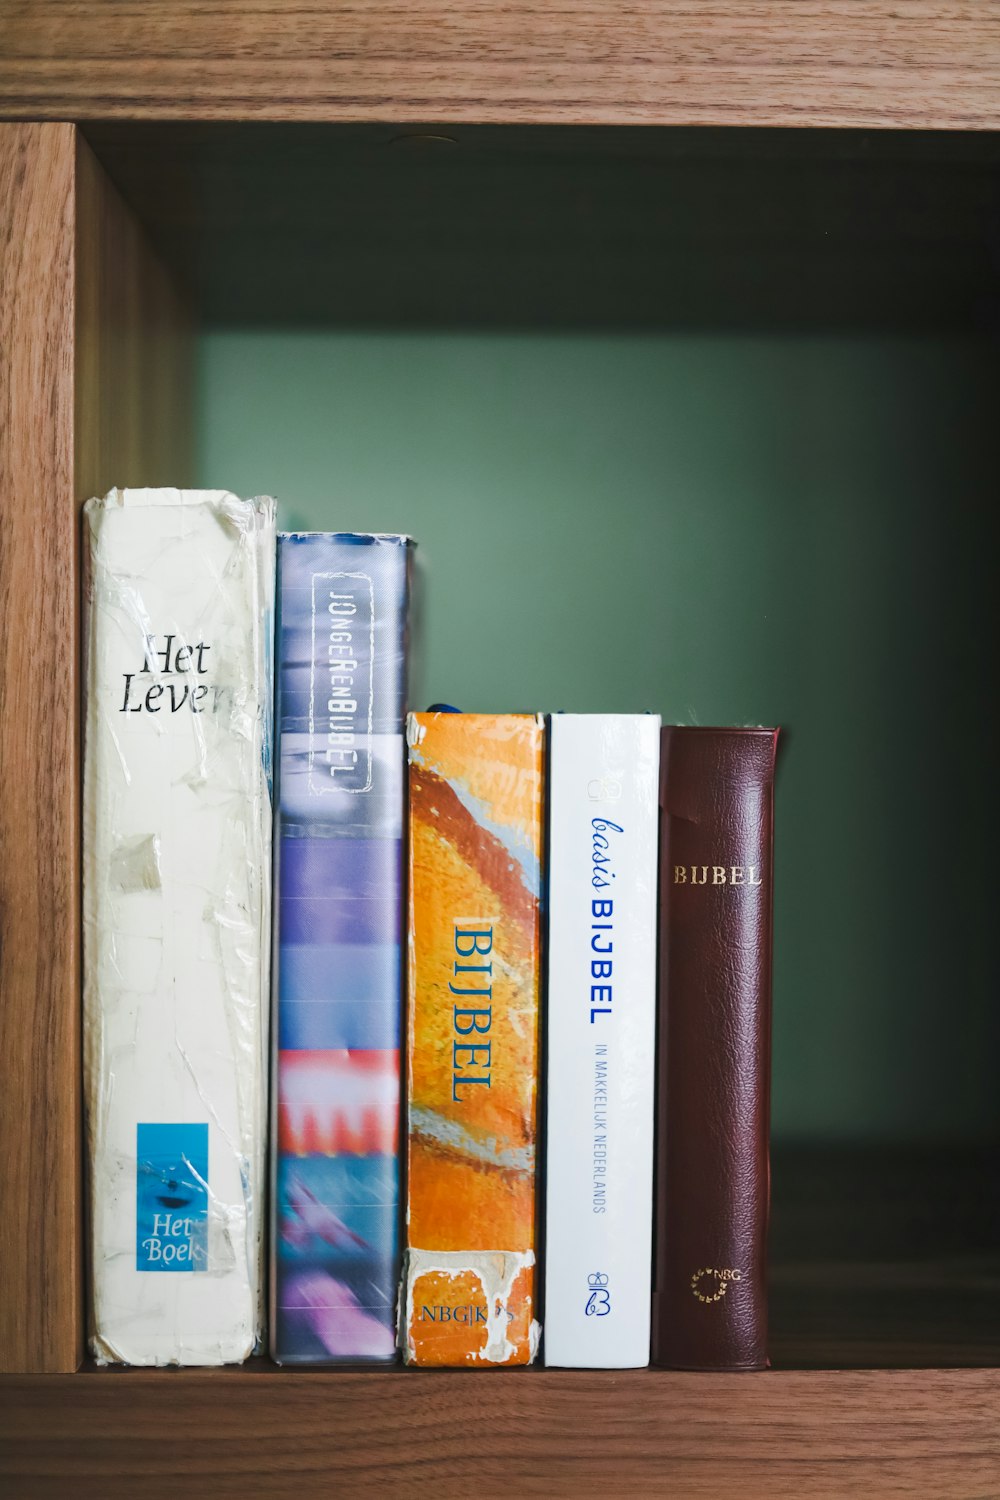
(177, 853)
(604, 804)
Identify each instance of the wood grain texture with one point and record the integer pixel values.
(513, 1433)
(40, 1264)
(933, 63)
(134, 349)
(95, 390)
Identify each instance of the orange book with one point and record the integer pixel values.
(475, 847)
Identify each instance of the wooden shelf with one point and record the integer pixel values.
(882, 1258)
(672, 62)
(886, 1265)
(777, 1436)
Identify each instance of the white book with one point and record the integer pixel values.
(177, 854)
(604, 804)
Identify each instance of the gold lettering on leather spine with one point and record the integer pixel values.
(710, 1285)
(737, 875)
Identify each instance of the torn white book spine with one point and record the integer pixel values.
(604, 802)
(177, 901)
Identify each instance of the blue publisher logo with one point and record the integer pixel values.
(171, 1197)
(599, 1298)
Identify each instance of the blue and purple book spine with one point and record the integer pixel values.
(342, 634)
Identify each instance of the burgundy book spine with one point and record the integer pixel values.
(713, 1106)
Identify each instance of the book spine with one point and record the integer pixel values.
(710, 1305)
(601, 964)
(475, 844)
(177, 853)
(338, 981)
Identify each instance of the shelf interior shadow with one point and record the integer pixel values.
(542, 227)
(885, 1257)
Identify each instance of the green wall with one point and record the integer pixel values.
(724, 529)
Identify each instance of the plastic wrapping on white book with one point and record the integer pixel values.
(177, 854)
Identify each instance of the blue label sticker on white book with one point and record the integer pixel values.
(171, 1198)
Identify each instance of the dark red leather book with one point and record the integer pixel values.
(713, 1104)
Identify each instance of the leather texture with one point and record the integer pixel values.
(713, 1105)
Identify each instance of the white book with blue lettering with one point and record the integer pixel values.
(604, 805)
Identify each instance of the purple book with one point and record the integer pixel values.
(342, 631)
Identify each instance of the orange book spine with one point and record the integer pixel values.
(475, 854)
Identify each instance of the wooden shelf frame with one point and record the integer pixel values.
(95, 379)
(446, 1434)
(845, 63)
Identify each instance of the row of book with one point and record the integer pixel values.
(529, 911)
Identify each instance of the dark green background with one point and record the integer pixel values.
(726, 529)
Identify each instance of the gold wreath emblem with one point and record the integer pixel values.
(720, 1285)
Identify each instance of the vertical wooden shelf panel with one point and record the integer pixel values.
(95, 382)
(134, 349)
(40, 1170)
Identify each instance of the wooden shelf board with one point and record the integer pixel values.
(544, 1432)
(927, 63)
